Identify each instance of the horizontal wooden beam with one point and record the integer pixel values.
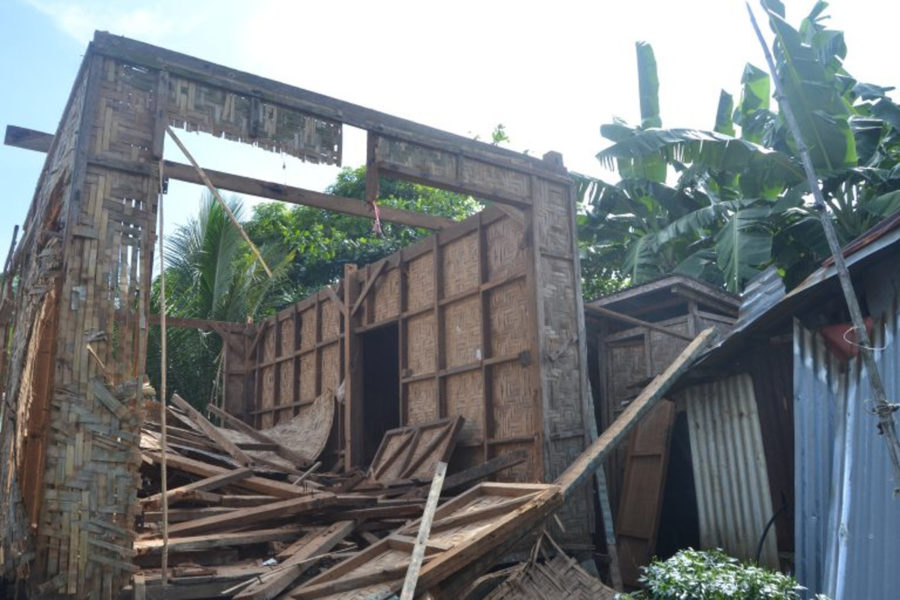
(201, 324)
(30, 139)
(21, 137)
(319, 105)
(605, 312)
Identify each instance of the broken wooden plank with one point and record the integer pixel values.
(207, 484)
(485, 469)
(217, 540)
(212, 431)
(594, 455)
(254, 484)
(313, 544)
(243, 517)
(600, 310)
(467, 561)
(418, 553)
(368, 286)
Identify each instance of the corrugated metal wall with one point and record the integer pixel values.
(847, 522)
(730, 476)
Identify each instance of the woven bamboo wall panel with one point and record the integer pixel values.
(523, 472)
(199, 107)
(331, 367)
(268, 396)
(421, 402)
(628, 359)
(513, 407)
(459, 269)
(123, 129)
(508, 319)
(285, 390)
(387, 296)
(552, 220)
(331, 320)
(462, 332)
(495, 180)
(287, 327)
(420, 283)
(465, 397)
(270, 337)
(420, 346)
(308, 328)
(307, 377)
(506, 248)
(665, 348)
(561, 338)
(90, 472)
(428, 162)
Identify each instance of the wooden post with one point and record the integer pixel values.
(353, 392)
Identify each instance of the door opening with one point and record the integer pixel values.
(381, 386)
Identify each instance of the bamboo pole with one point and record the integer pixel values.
(218, 197)
(884, 410)
(164, 562)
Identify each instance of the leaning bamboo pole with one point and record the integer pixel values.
(164, 563)
(884, 410)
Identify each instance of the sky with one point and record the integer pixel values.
(551, 73)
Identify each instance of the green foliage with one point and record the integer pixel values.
(713, 575)
(722, 205)
(321, 242)
(210, 272)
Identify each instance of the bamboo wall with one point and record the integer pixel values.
(488, 311)
(490, 327)
(79, 343)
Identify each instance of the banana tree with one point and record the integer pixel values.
(740, 188)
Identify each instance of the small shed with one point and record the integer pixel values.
(634, 334)
(790, 468)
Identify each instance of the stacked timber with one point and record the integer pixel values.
(252, 514)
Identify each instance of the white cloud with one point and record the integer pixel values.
(151, 22)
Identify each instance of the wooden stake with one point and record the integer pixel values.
(418, 553)
(215, 193)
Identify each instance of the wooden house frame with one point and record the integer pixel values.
(486, 314)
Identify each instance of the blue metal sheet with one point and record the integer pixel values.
(847, 521)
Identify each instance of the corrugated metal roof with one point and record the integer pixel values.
(762, 293)
(847, 521)
(734, 502)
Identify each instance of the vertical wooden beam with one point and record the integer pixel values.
(486, 370)
(353, 392)
(276, 392)
(440, 361)
(402, 305)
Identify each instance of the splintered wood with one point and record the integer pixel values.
(240, 528)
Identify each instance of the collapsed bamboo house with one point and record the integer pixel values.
(482, 320)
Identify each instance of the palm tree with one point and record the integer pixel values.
(210, 274)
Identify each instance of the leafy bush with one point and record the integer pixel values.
(713, 575)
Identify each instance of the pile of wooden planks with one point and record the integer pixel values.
(252, 517)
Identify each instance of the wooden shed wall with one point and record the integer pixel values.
(465, 341)
(491, 327)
